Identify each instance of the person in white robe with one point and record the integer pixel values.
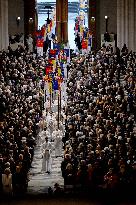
(58, 144)
(42, 135)
(47, 160)
(30, 43)
(7, 181)
(50, 128)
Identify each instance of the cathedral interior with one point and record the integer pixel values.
(68, 114)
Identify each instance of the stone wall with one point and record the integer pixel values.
(126, 24)
(4, 40)
(105, 8)
(16, 8)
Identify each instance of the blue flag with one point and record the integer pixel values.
(56, 46)
(55, 84)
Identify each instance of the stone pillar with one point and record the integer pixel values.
(30, 21)
(135, 27)
(0, 27)
(4, 37)
(131, 25)
(126, 22)
(64, 21)
(119, 23)
(58, 20)
(92, 21)
(122, 25)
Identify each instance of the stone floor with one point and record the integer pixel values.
(39, 181)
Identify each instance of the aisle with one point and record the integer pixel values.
(39, 181)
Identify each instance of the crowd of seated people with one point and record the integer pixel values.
(21, 110)
(100, 138)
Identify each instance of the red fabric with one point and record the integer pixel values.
(48, 70)
(84, 44)
(42, 31)
(39, 43)
(52, 51)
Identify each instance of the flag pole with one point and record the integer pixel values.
(50, 97)
(45, 96)
(58, 108)
(60, 102)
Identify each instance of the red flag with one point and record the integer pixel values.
(48, 69)
(39, 43)
(84, 44)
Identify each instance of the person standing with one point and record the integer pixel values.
(58, 144)
(46, 150)
(7, 181)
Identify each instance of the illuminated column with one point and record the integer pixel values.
(126, 22)
(58, 20)
(92, 21)
(131, 25)
(64, 21)
(119, 23)
(122, 23)
(4, 37)
(135, 27)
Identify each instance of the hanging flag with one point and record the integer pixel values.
(39, 43)
(84, 44)
(52, 53)
(59, 71)
(56, 46)
(39, 34)
(50, 86)
(48, 69)
(55, 84)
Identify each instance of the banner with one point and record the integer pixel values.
(84, 44)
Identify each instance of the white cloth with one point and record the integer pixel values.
(42, 135)
(7, 183)
(58, 145)
(46, 150)
(30, 44)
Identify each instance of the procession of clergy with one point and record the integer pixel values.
(50, 136)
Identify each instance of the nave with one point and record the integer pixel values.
(39, 180)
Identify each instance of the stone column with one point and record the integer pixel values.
(131, 25)
(64, 20)
(122, 25)
(119, 23)
(92, 21)
(126, 22)
(30, 21)
(58, 20)
(135, 27)
(4, 37)
(0, 28)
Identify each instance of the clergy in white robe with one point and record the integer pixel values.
(42, 135)
(58, 145)
(7, 181)
(47, 160)
(50, 128)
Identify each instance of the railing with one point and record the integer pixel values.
(73, 7)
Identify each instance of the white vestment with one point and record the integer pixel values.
(58, 145)
(42, 135)
(30, 44)
(46, 150)
(7, 183)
